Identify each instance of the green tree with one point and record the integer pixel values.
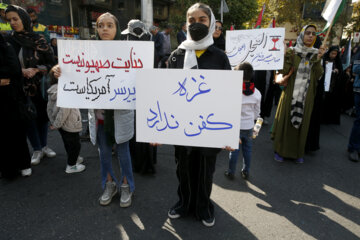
(354, 24)
(285, 11)
(239, 13)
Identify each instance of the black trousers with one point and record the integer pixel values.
(195, 172)
(143, 155)
(14, 151)
(72, 145)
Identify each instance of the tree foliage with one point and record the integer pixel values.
(286, 11)
(239, 13)
(354, 24)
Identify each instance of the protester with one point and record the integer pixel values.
(36, 60)
(354, 141)
(166, 46)
(355, 53)
(68, 122)
(112, 128)
(143, 155)
(348, 101)
(158, 41)
(194, 163)
(53, 44)
(181, 35)
(135, 31)
(334, 97)
(313, 137)
(37, 27)
(219, 39)
(264, 82)
(250, 110)
(293, 114)
(14, 151)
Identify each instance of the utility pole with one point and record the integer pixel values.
(222, 11)
(147, 13)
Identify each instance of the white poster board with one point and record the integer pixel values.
(356, 37)
(262, 48)
(101, 74)
(189, 107)
(328, 72)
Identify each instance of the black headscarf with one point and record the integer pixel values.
(27, 38)
(337, 60)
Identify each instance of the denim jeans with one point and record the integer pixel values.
(37, 134)
(123, 154)
(354, 142)
(245, 146)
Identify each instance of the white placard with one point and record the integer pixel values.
(328, 72)
(263, 48)
(189, 107)
(356, 37)
(101, 74)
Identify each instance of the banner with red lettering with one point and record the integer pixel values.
(262, 48)
(101, 74)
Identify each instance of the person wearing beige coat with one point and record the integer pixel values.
(68, 122)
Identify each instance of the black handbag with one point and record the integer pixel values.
(27, 110)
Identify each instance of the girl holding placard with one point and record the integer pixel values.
(112, 128)
(195, 165)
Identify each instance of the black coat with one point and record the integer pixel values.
(332, 100)
(267, 98)
(220, 42)
(33, 86)
(212, 58)
(180, 37)
(14, 152)
(10, 68)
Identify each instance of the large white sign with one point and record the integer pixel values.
(189, 107)
(328, 73)
(263, 48)
(101, 74)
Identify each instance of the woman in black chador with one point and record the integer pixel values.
(196, 165)
(14, 152)
(36, 59)
(333, 97)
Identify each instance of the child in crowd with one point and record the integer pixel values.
(68, 122)
(250, 110)
(112, 128)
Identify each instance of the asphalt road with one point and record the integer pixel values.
(319, 199)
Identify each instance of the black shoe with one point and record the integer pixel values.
(208, 222)
(173, 214)
(229, 175)
(354, 156)
(244, 174)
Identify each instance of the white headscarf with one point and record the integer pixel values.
(190, 45)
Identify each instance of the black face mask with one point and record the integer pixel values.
(198, 31)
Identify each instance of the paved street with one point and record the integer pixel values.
(319, 199)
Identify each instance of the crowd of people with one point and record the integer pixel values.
(29, 107)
